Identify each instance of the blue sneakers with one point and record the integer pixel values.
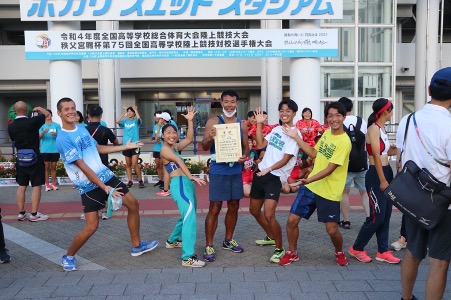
(69, 263)
(209, 253)
(143, 248)
(232, 245)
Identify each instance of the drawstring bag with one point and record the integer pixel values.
(113, 204)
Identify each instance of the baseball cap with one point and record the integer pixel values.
(442, 78)
(165, 116)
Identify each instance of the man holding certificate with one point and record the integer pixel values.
(224, 137)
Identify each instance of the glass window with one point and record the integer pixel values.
(376, 11)
(375, 44)
(346, 45)
(375, 82)
(337, 82)
(365, 109)
(348, 13)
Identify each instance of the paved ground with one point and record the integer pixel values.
(107, 271)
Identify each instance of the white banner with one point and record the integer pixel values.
(165, 10)
(202, 43)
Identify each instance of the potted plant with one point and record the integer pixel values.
(61, 174)
(7, 176)
(196, 168)
(150, 172)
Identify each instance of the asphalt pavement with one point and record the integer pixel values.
(108, 271)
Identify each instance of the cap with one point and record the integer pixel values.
(442, 78)
(165, 116)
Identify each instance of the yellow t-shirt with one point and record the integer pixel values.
(331, 149)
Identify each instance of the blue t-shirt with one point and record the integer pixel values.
(48, 141)
(78, 144)
(131, 130)
(156, 146)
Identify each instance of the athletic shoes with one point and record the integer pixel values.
(399, 244)
(38, 217)
(104, 216)
(387, 257)
(341, 259)
(143, 248)
(267, 241)
(141, 184)
(54, 187)
(176, 244)
(48, 187)
(130, 184)
(288, 258)
(4, 256)
(360, 255)
(164, 193)
(209, 253)
(23, 217)
(69, 263)
(158, 183)
(193, 262)
(232, 245)
(82, 217)
(278, 254)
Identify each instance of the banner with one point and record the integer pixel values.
(203, 43)
(170, 10)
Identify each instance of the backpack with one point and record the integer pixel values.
(358, 158)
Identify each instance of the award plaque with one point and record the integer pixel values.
(228, 142)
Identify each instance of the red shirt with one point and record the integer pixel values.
(309, 130)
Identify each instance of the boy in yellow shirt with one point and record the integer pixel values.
(323, 189)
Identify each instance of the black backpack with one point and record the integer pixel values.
(358, 158)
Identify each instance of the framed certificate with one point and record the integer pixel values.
(228, 142)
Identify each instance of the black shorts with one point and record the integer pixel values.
(131, 152)
(34, 174)
(156, 154)
(50, 157)
(96, 199)
(307, 202)
(266, 187)
(438, 240)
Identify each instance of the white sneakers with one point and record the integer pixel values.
(399, 244)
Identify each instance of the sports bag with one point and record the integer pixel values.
(418, 194)
(358, 158)
(26, 157)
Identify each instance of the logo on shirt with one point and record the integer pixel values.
(129, 125)
(84, 142)
(276, 141)
(69, 155)
(326, 149)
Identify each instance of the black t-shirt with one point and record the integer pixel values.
(25, 132)
(102, 135)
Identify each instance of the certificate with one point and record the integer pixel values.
(228, 142)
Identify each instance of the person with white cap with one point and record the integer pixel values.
(164, 118)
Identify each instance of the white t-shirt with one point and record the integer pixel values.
(279, 144)
(434, 125)
(351, 119)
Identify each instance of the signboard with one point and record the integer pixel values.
(202, 43)
(170, 10)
